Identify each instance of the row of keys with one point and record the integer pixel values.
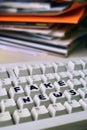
(47, 87)
(51, 77)
(36, 98)
(41, 112)
(49, 68)
(25, 70)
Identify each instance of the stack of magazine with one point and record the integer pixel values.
(34, 24)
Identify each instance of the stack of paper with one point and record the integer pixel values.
(54, 26)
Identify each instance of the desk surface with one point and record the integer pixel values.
(10, 56)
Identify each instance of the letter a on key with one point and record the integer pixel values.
(33, 87)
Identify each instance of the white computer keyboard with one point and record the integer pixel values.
(44, 95)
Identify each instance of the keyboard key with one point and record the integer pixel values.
(47, 68)
(5, 83)
(40, 112)
(83, 102)
(3, 73)
(34, 69)
(75, 65)
(47, 88)
(20, 70)
(83, 92)
(21, 116)
(61, 85)
(5, 119)
(32, 89)
(57, 77)
(20, 81)
(25, 102)
(57, 97)
(8, 105)
(3, 94)
(16, 92)
(83, 73)
(73, 106)
(59, 67)
(63, 76)
(84, 63)
(49, 77)
(74, 74)
(41, 99)
(71, 94)
(34, 79)
(74, 84)
(57, 109)
(84, 81)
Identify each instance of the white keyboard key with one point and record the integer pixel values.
(8, 105)
(40, 112)
(57, 77)
(84, 63)
(37, 79)
(74, 84)
(3, 94)
(84, 81)
(83, 92)
(44, 78)
(5, 83)
(34, 69)
(41, 99)
(29, 80)
(63, 76)
(59, 67)
(3, 73)
(47, 68)
(57, 97)
(49, 77)
(71, 94)
(74, 74)
(83, 102)
(20, 71)
(5, 119)
(34, 79)
(25, 102)
(83, 73)
(16, 92)
(47, 88)
(61, 85)
(72, 106)
(32, 90)
(21, 116)
(75, 65)
(57, 109)
(20, 81)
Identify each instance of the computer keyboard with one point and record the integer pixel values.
(44, 95)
